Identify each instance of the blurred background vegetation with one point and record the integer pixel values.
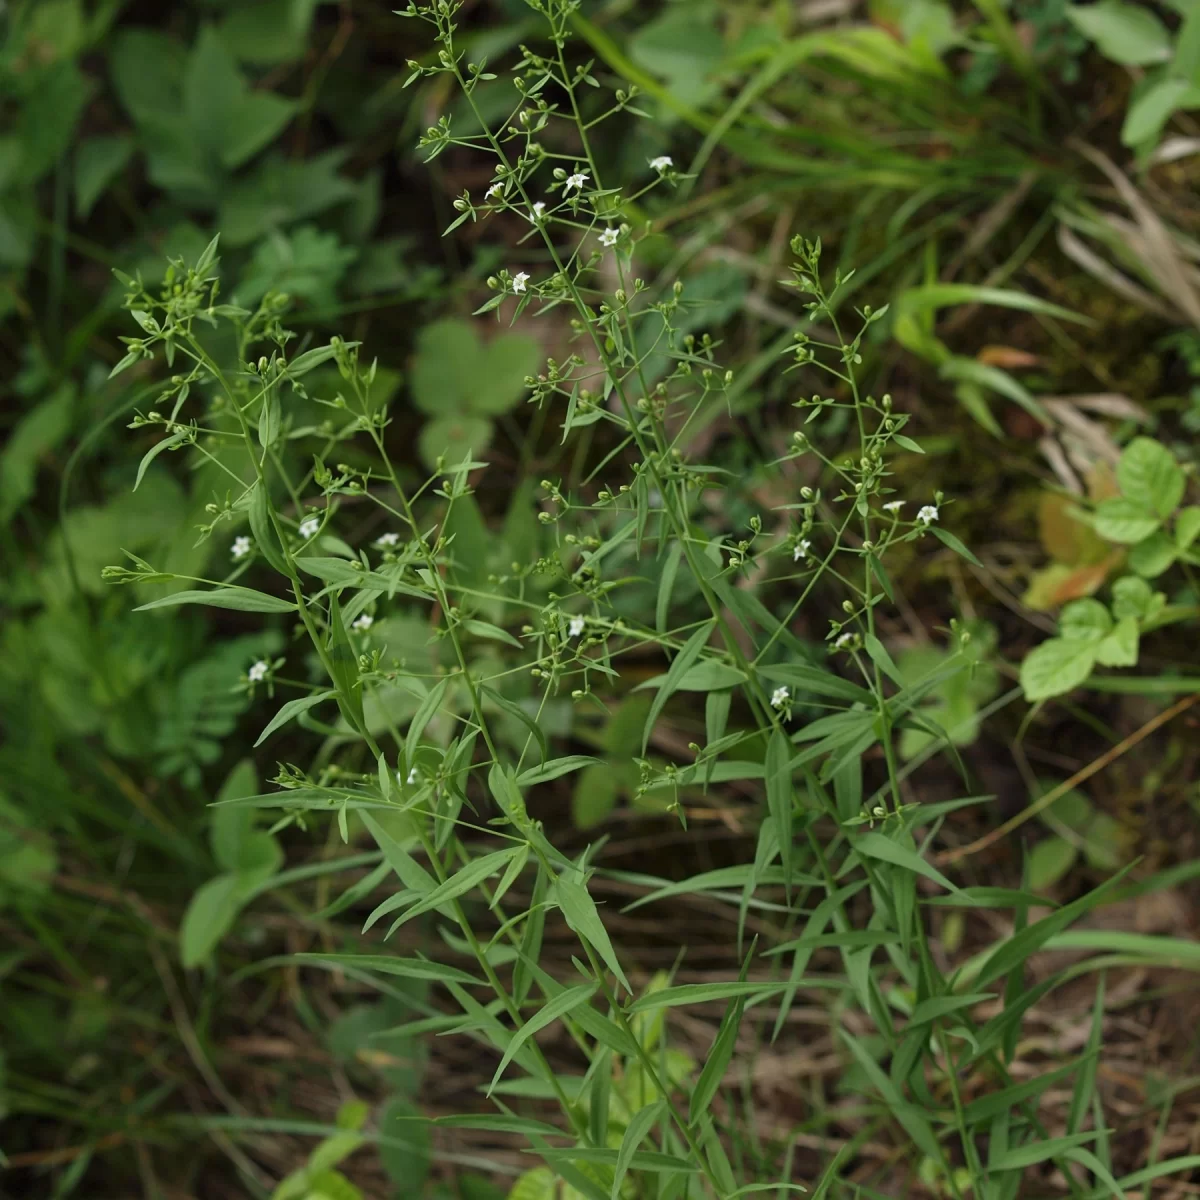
(941, 150)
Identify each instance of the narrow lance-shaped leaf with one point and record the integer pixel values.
(687, 655)
(558, 1007)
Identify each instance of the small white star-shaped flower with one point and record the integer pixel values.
(387, 540)
(308, 527)
(843, 641)
(801, 550)
(494, 190)
(928, 514)
(412, 775)
(661, 163)
(240, 548)
(893, 506)
(779, 697)
(576, 626)
(609, 237)
(258, 671)
(575, 181)
(363, 623)
(539, 211)
(520, 279)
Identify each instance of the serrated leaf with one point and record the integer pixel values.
(1150, 477)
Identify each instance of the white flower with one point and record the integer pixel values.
(539, 211)
(258, 671)
(241, 547)
(363, 623)
(843, 641)
(387, 540)
(779, 697)
(412, 775)
(801, 550)
(654, 498)
(520, 279)
(576, 626)
(576, 181)
(494, 190)
(928, 514)
(309, 527)
(893, 506)
(661, 163)
(609, 237)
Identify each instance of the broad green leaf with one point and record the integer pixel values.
(407, 1154)
(1187, 526)
(98, 160)
(240, 598)
(1153, 555)
(1049, 861)
(209, 916)
(595, 796)
(1056, 667)
(1125, 33)
(1151, 107)
(1150, 477)
(1120, 519)
(1084, 621)
(1120, 647)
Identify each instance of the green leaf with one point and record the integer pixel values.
(210, 915)
(1119, 519)
(1152, 556)
(816, 682)
(595, 796)
(1187, 526)
(239, 598)
(779, 793)
(639, 1125)
(1125, 33)
(1151, 107)
(688, 654)
(390, 964)
(1038, 1151)
(293, 708)
(1120, 647)
(258, 510)
(167, 443)
(407, 1153)
(1049, 861)
(550, 1012)
(518, 714)
(1149, 476)
(555, 769)
(1056, 667)
(876, 845)
(579, 911)
(461, 882)
(98, 160)
(1132, 597)
(717, 1062)
(702, 993)
(494, 633)
(1084, 621)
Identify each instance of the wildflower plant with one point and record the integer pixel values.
(439, 764)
